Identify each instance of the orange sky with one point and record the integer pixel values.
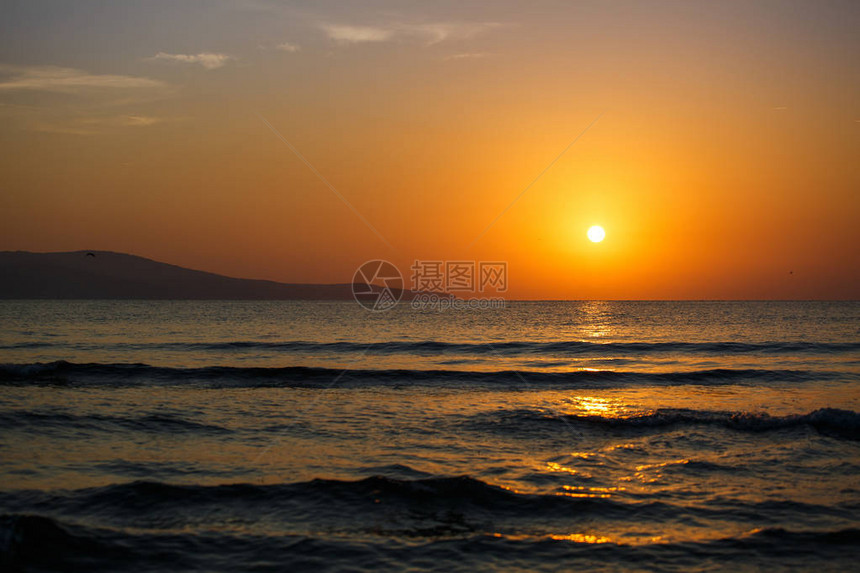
(725, 164)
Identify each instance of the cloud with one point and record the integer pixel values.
(92, 125)
(96, 104)
(70, 80)
(288, 47)
(357, 34)
(441, 31)
(429, 33)
(139, 120)
(468, 56)
(208, 60)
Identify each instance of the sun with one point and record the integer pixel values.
(596, 234)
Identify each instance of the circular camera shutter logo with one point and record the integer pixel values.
(377, 285)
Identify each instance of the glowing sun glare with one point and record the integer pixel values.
(596, 234)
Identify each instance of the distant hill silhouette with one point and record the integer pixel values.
(108, 275)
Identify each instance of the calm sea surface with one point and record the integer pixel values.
(288, 436)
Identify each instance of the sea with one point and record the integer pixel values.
(319, 436)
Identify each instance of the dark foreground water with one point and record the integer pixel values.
(148, 436)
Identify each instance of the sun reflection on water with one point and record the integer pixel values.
(596, 407)
(595, 492)
(596, 320)
(574, 537)
(580, 538)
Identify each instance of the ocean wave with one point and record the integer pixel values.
(319, 495)
(832, 422)
(512, 348)
(62, 372)
(356, 503)
(24, 538)
(48, 421)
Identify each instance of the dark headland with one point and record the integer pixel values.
(109, 275)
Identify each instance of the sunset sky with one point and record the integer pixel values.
(724, 161)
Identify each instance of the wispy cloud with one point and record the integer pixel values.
(97, 125)
(429, 33)
(69, 80)
(96, 103)
(288, 47)
(468, 56)
(76, 121)
(139, 120)
(208, 60)
(357, 34)
(434, 33)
